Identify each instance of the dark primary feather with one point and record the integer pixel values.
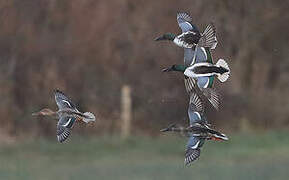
(209, 38)
(196, 103)
(192, 155)
(199, 87)
(193, 150)
(63, 127)
(190, 84)
(213, 96)
(63, 101)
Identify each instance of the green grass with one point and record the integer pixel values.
(263, 156)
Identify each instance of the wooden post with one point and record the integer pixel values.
(125, 111)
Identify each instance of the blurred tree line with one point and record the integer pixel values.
(91, 48)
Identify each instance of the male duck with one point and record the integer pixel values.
(202, 85)
(220, 69)
(191, 36)
(198, 131)
(203, 68)
(68, 114)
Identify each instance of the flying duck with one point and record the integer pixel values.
(197, 134)
(67, 114)
(198, 131)
(200, 85)
(191, 36)
(205, 69)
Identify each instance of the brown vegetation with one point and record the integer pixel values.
(89, 49)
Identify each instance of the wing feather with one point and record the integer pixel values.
(184, 20)
(64, 126)
(63, 101)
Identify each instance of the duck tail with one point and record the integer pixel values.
(220, 137)
(222, 63)
(209, 38)
(88, 117)
(217, 136)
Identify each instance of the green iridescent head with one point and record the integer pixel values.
(166, 36)
(175, 67)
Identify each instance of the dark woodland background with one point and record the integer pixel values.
(91, 48)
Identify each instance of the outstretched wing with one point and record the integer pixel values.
(213, 96)
(209, 38)
(63, 101)
(64, 126)
(184, 21)
(190, 84)
(195, 109)
(193, 150)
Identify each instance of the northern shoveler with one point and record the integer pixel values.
(220, 69)
(198, 131)
(191, 36)
(200, 85)
(67, 114)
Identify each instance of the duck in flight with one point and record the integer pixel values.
(220, 69)
(67, 114)
(191, 36)
(198, 132)
(203, 86)
(204, 69)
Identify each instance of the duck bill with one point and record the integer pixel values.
(170, 128)
(167, 69)
(164, 130)
(160, 38)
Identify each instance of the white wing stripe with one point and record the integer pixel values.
(196, 145)
(66, 124)
(67, 102)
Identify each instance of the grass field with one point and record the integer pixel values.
(264, 156)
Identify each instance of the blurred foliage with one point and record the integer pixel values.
(89, 49)
(244, 156)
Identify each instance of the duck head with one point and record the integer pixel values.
(168, 128)
(171, 68)
(166, 36)
(44, 112)
(180, 68)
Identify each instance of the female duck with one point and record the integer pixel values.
(197, 134)
(68, 114)
(198, 131)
